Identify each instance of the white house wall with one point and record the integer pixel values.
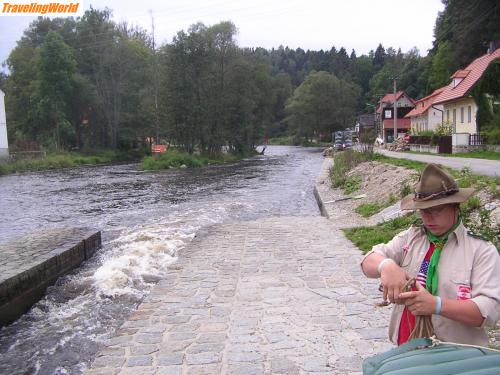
(404, 102)
(434, 116)
(4, 144)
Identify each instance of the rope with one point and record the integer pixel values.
(436, 342)
(423, 323)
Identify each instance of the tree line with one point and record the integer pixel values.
(91, 83)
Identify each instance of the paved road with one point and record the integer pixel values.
(478, 166)
(273, 296)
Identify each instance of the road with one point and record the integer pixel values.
(478, 166)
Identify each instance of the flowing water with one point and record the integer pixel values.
(147, 219)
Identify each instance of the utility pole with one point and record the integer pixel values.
(395, 116)
(155, 81)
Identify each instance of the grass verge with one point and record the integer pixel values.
(369, 209)
(68, 160)
(367, 237)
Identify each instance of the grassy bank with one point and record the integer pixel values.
(68, 160)
(367, 237)
(177, 159)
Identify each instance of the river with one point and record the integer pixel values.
(147, 219)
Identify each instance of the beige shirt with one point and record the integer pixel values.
(469, 268)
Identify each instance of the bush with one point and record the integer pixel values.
(343, 162)
(493, 136)
(352, 184)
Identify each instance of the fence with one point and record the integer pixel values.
(477, 139)
(422, 143)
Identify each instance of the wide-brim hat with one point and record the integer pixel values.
(434, 188)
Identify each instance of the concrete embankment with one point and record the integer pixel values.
(29, 264)
(280, 295)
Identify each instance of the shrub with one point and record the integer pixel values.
(343, 162)
(405, 190)
(352, 183)
(493, 136)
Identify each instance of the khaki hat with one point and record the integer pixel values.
(434, 188)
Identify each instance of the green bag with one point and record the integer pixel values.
(420, 356)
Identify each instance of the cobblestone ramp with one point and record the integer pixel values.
(272, 296)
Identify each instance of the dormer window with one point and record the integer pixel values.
(456, 81)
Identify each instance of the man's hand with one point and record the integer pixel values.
(419, 302)
(393, 280)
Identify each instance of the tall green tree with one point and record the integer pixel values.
(322, 104)
(56, 67)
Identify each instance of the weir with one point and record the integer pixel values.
(31, 263)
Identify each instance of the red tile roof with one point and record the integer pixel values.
(461, 74)
(422, 105)
(389, 99)
(474, 72)
(401, 123)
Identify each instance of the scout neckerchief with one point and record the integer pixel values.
(432, 277)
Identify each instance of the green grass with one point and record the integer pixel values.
(352, 184)
(343, 162)
(68, 160)
(175, 159)
(369, 209)
(367, 237)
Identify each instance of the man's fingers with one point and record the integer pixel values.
(406, 295)
(419, 286)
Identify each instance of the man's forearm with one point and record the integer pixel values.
(370, 265)
(465, 312)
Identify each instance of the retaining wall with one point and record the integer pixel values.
(31, 263)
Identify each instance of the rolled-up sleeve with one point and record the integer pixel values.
(393, 249)
(485, 284)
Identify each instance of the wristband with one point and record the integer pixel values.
(438, 305)
(382, 263)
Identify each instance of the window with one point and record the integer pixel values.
(447, 115)
(461, 115)
(454, 120)
(468, 114)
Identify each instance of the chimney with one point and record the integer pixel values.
(493, 46)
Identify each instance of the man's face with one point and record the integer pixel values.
(439, 219)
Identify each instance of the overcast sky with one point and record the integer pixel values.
(312, 24)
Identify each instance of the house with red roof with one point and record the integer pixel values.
(459, 107)
(426, 115)
(385, 114)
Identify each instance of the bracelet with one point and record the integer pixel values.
(382, 263)
(438, 305)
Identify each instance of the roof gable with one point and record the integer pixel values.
(423, 105)
(469, 77)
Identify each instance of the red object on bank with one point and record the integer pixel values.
(158, 148)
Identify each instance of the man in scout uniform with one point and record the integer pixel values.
(457, 273)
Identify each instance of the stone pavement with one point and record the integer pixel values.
(272, 296)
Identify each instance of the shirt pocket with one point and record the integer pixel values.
(461, 284)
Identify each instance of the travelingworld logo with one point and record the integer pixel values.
(42, 8)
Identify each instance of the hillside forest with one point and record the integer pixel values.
(93, 84)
